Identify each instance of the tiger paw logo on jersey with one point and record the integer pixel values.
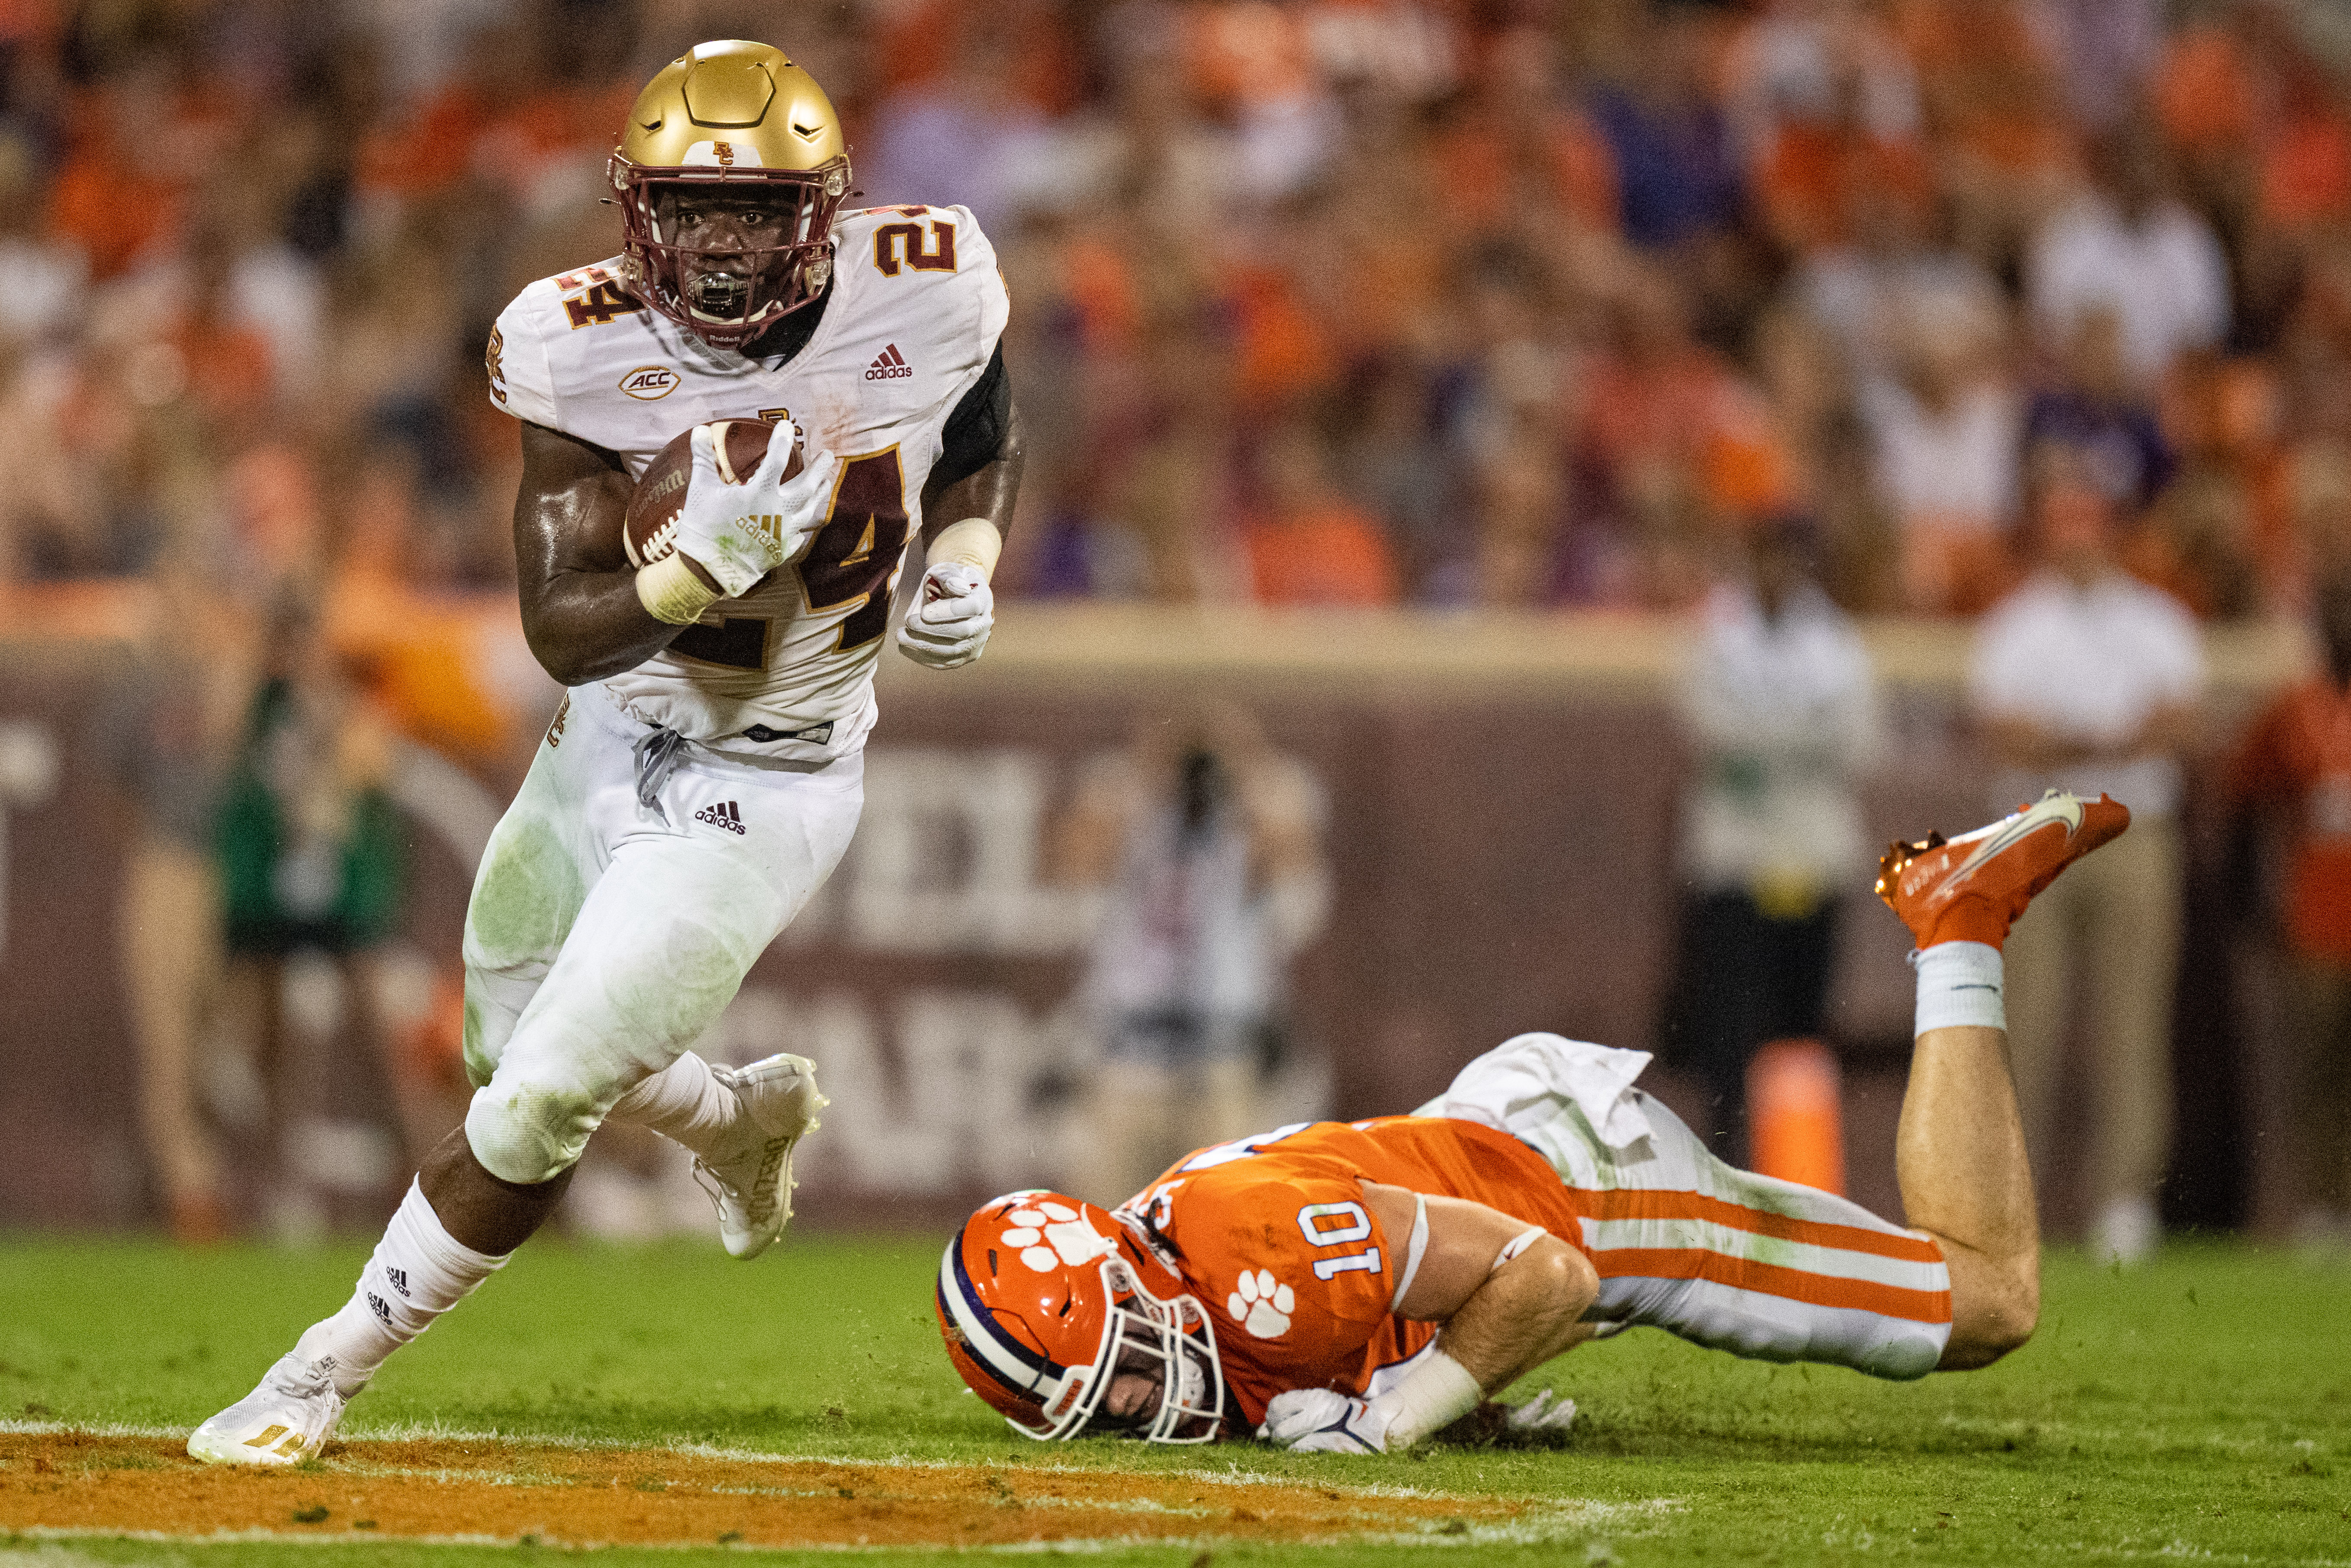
(1261, 1304)
(1053, 1234)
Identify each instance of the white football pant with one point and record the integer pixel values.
(1724, 1257)
(604, 936)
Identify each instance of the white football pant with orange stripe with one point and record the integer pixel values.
(1750, 1264)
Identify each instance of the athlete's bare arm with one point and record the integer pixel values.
(1500, 1324)
(579, 604)
(988, 492)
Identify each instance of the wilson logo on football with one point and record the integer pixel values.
(890, 365)
(649, 382)
(722, 815)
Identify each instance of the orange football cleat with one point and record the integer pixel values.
(1970, 888)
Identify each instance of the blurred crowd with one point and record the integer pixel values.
(1513, 302)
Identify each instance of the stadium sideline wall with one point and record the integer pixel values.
(1502, 794)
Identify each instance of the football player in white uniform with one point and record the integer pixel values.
(705, 772)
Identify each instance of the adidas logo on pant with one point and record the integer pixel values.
(722, 815)
(889, 366)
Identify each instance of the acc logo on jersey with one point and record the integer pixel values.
(1054, 1233)
(651, 383)
(1261, 1305)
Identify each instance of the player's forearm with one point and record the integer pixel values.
(584, 626)
(1528, 1311)
(580, 609)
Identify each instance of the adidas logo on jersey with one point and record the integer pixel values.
(722, 815)
(889, 366)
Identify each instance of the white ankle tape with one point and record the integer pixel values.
(1960, 985)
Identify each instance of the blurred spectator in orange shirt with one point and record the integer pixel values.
(227, 361)
(1826, 107)
(1515, 146)
(1658, 401)
(1808, 177)
(1308, 544)
(116, 196)
(1814, 61)
(1996, 111)
(2295, 762)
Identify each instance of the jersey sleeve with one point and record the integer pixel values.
(521, 382)
(975, 259)
(1294, 1272)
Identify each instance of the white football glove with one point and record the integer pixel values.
(741, 532)
(1325, 1421)
(952, 616)
(1546, 1412)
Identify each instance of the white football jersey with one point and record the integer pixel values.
(786, 670)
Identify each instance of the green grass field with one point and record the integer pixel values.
(2200, 1407)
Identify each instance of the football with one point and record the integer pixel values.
(649, 531)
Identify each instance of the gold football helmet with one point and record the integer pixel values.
(730, 115)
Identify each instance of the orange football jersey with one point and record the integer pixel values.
(1272, 1235)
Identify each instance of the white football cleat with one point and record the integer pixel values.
(288, 1418)
(753, 1190)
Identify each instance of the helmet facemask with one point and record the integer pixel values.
(1144, 1334)
(727, 294)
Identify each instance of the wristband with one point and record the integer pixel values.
(975, 542)
(1431, 1397)
(1959, 985)
(670, 592)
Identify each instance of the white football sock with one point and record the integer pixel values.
(1959, 983)
(419, 1272)
(686, 1103)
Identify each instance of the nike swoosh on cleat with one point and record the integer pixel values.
(2025, 825)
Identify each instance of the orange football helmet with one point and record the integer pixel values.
(1043, 1299)
(727, 115)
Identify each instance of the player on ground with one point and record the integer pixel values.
(1356, 1287)
(704, 771)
